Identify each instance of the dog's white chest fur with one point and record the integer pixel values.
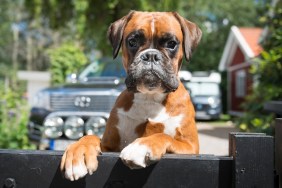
(145, 108)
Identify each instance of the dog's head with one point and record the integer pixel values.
(152, 48)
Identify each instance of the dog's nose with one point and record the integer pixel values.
(151, 57)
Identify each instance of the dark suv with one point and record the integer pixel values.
(63, 114)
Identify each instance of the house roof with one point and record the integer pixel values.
(246, 39)
(252, 36)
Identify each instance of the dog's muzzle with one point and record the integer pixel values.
(153, 71)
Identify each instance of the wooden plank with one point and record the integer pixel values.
(31, 169)
(278, 150)
(273, 106)
(232, 136)
(253, 164)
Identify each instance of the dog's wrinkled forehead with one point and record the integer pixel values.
(154, 24)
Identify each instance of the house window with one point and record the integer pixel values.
(241, 83)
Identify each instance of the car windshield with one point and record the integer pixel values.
(202, 88)
(103, 68)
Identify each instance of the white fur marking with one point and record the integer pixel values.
(69, 174)
(145, 108)
(76, 172)
(170, 123)
(79, 171)
(136, 153)
(153, 25)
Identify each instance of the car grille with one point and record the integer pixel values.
(99, 103)
(201, 107)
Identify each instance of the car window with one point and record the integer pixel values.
(103, 68)
(202, 88)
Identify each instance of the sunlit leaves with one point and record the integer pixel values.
(267, 70)
(65, 60)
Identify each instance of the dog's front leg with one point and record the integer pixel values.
(147, 150)
(80, 157)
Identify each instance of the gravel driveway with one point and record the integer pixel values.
(214, 138)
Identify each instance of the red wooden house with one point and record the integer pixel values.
(239, 52)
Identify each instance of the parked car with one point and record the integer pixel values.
(63, 114)
(205, 93)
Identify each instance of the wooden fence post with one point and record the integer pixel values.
(253, 163)
(278, 149)
(276, 107)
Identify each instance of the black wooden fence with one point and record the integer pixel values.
(250, 164)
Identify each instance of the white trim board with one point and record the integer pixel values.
(235, 38)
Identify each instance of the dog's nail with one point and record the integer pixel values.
(90, 172)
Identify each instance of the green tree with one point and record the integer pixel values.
(65, 60)
(6, 41)
(268, 73)
(87, 21)
(215, 18)
(21, 43)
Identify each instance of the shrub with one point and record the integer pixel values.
(64, 60)
(13, 121)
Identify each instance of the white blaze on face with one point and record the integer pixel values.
(153, 25)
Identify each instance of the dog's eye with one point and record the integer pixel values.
(171, 44)
(133, 42)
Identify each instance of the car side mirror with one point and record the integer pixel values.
(71, 78)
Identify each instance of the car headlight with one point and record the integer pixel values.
(211, 100)
(42, 100)
(95, 126)
(53, 127)
(214, 102)
(74, 127)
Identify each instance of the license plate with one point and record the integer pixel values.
(201, 113)
(60, 144)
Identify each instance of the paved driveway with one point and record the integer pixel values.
(214, 138)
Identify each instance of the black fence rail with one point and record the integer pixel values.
(250, 164)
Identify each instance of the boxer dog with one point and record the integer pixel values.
(154, 115)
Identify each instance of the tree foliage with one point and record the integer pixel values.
(49, 24)
(65, 60)
(268, 73)
(6, 39)
(87, 20)
(13, 121)
(215, 18)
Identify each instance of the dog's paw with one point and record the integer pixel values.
(138, 155)
(80, 158)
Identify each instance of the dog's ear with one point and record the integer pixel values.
(115, 32)
(192, 35)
